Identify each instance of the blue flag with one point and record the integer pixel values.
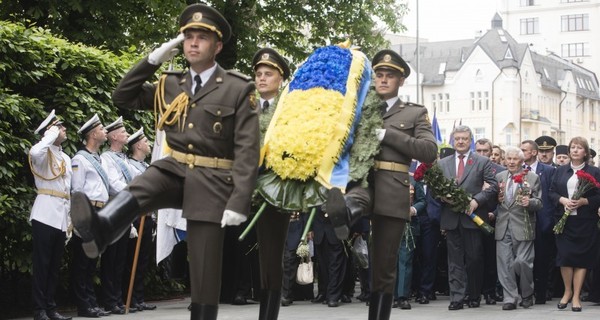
(435, 127)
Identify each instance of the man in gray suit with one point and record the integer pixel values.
(515, 229)
(465, 248)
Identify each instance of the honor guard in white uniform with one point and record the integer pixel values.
(112, 262)
(139, 147)
(89, 177)
(51, 169)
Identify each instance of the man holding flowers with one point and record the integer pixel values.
(519, 197)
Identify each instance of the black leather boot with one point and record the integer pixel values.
(380, 306)
(343, 211)
(100, 229)
(269, 305)
(203, 311)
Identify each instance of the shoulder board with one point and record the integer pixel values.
(239, 75)
(174, 72)
(410, 104)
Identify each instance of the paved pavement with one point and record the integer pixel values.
(304, 310)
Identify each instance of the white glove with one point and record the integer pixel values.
(53, 132)
(380, 134)
(133, 233)
(166, 51)
(232, 218)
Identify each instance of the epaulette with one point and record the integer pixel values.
(174, 72)
(240, 75)
(410, 104)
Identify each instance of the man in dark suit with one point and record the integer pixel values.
(544, 244)
(465, 249)
(211, 123)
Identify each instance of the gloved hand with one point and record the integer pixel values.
(53, 131)
(166, 51)
(133, 233)
(232, 218)
(380, 134)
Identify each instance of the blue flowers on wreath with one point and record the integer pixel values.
(318, 71)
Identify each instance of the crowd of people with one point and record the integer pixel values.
(211, 120)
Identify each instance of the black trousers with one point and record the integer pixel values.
(543, 263)
(83, 270)
(271, 231)
(48, 249)
(428, 251)
(112, 267)
(331, 260)
(144, 257)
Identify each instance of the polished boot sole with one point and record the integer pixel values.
(337, 212)
(83, 217)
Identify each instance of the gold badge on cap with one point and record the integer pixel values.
(197, 16)
(545, 144)
(387, 58)
(265, 56)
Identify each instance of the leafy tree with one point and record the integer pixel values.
(294, 27)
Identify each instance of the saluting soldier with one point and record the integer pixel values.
(51, 169)
(91, 179)
(139, 147)
(211, 123)
(112, 263)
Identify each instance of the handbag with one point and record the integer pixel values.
(304, 274)
(360, 251)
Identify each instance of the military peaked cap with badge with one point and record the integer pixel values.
(444, 152)
(89, 125)
(271, 58)
(545, 143)
(391, 60)
(136, 137)
(51, 120)
(562, 149)
(115, 125)
(201, 16)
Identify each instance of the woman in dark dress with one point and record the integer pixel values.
(577, 245)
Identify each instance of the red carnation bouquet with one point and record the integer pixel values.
(585, 183)
(448, 191)
(524, 190)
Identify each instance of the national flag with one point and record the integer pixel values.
(435, 127)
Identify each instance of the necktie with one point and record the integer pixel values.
(383, 107)
(265, 106)
(198, 81)
(461, 166)
(510, 190)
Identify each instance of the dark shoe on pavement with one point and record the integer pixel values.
(239, 300)
(432, 297)
(509, 306)
(474, 304)
(88, 313)
(490, 299)
(318, 299)
(116, 310)
(101, 312)
(286, 302)
(455, 305)
(40, 315)
(54, 315)
(333, 304)
(527, 302)
(404, 304)
(345, 299)
(146, 306)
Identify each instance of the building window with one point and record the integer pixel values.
(487, 100)
(530, 26)
(479, 101)
(579, 49)
(447, 102)
(434, 102)
(526, 3)
(575, 22)
(472, 101)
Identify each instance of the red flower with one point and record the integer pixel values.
(420, 172)
(470, 162)
(518, 179)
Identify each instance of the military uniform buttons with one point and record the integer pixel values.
(193, 105)
(191, 166)
(191, 125)
(402, 125)
(190, 146)
(218, 112)
(228, 179)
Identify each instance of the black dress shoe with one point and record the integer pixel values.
(346, 299)
(145, 306)
(509, 306)
(318, 299)
(404, 304)
(116, 310)
(489, 299)
(239, 300)
(474, 303)
(286, 302)
(422, 300)
(333, 304)
(455, 305)
(40, 315)
(101, 312)
(576, 309)
(364, 297)
(88, 313)
(527, 302)
(395, 304)
(54, 315)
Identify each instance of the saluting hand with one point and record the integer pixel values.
(166, 51)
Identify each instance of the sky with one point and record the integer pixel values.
(441, 20)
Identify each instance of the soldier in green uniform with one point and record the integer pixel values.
(211, 123)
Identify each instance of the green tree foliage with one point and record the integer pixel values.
(40, 72)
(295, 27)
